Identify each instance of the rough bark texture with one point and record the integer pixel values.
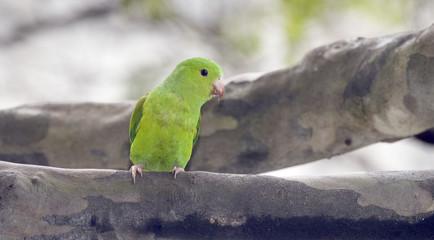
(38, 202)
(81, 135)
(340, 97)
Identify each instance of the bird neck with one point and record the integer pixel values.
(186, 94)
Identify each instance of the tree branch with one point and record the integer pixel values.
(341, 97)
(39, 202)
(21, 29)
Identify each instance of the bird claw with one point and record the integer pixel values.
(136, 168)
(176, 170)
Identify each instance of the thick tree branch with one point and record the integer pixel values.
(86, 135)
(39, 202)
(340, 97)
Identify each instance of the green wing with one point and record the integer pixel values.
(197, 131)
(135, 118)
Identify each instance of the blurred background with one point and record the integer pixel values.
(116, 50)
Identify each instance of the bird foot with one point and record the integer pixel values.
(176, 170)
(136, 168)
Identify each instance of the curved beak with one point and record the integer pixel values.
(218, 88)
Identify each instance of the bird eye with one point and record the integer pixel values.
(204, 72)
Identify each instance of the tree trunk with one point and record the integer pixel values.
(38, 202)
(340, 97)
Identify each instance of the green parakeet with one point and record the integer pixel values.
(165, 123)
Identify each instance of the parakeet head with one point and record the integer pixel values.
(198, 78)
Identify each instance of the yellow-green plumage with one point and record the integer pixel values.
(165, 123)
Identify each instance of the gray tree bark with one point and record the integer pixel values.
(82, 135)
(38, 202)
(340, 97)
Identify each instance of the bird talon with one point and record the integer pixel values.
(176, 170)
(134, 169)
